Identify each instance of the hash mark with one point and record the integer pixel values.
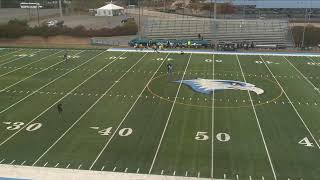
(12, 161)
(224, 176)
(198, 174)
(79, 166)
(161, 172)
(68, 166)
(2, 160)
(138, 170)
(237, 177)
(174, 173)
(102, 168)
(56, 165)
(114, 169)
(45, 164)
(23, 163)
(186, 173)
(126, 170)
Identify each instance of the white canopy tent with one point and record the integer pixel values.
(110, 10)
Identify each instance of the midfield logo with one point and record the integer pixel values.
(208, 86)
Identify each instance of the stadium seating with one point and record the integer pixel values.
(266, 31)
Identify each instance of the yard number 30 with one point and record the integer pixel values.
(203, 136)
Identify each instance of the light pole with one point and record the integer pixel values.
(215, 9)
(60, 8)
(139, 19)
(304, 28)
(38, 14)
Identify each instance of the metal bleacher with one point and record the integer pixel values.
(259, 31)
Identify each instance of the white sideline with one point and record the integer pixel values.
(189, 51)
(67, 94)
(89, 109)
(169, 117)
(259, 126)
(125, 117)
(294, 108)
(46, 173)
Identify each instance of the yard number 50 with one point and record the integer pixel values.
(203, 136)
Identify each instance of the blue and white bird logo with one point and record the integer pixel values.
(208, 86)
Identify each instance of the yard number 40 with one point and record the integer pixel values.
(306, 142)
(203, 136)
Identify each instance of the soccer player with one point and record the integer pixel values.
(170, 71)
(65, 56)
(60, 109)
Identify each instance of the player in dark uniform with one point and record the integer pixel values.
(65, 56)
(170, 71)
(60, 109)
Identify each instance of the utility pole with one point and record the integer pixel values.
(60, 7)
(139, 26)
(38, 14)
(304, 28)
(215, 10)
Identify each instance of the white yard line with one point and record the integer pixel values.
(2, 111)
(124, 118)
(33, 74)
(67, 94)
(316, 62)
(168, 120)
(315, 88)
(212, 122)
(89, 109)
(295, 109)
(28, 64)
(13, 59)
(11, 52)
(258, 123)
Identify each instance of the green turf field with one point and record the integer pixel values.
(123, 113)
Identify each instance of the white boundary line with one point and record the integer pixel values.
(125, 117)
(29, 63)
(89, 109)
(189, 51)
(258, 123)
(168, 120)
(67, 94)
(315, 88)
(15, 51)
(212, 121)
(290, 102)
(35, 91)
(59, 62)
(50, 173)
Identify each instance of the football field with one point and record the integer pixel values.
(123, 112)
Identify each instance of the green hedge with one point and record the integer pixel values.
(17, 28)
